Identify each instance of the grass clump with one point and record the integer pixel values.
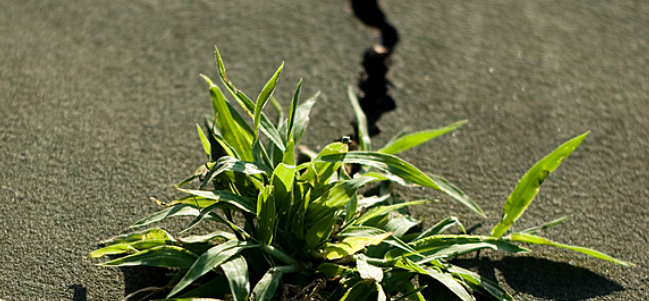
(289, 231)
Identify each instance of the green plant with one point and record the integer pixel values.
(305, 232)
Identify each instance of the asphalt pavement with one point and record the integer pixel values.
(99, 100)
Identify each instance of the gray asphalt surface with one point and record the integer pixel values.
(98, 101)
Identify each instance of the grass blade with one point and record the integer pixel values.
(236, 270)
(380, 210)
(441, 226)
(406, 171)
(222, 196)
(537, 240)
(455, 245)
(546, 225)
(364, 141)
(444, 278)
(301, 119)
(530, 183)
(411, 140)
(266, 213)
(162, 256)
(263, 98)
(178, 210)
(479, 283)
(211, 259)
(206, 143)
(266, 287)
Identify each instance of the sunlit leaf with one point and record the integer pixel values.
(162, 256)
(404, 170)
(537, 240)
(530, 183)
(209, 260)
(412, 140)
(236, 271)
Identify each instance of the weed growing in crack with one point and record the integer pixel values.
(287, 231)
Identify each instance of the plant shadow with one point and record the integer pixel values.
(538, 277)
(141, 277)
(79, 293)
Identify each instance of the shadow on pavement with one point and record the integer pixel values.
(538, 277)
(79, 293)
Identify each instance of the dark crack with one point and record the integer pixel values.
(375, 98)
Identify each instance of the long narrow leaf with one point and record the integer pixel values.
(266, 213)
(211, 259)
(264, 96)
(455, 245)
(162, 256)
(411, 140)
(444, 278)
(236, 270)
(364, 141)
(301, 119)
(178, 210)
(530, 183)
(546, 225)
(377, 211)
(406, 171)
(537, 240)
(223, 196)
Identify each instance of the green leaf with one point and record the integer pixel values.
(209, 260)
(444, 278)
(263, 97)
(266, 287)
(537, 240)
(364, 141)
(368, 271)
(321, 172)
(206, 143)
(197, 239)
(367, 231)
(455, 245)
(162, 256)
(282, 179)
(360, 291)
(266, 213)
(400, 224)
(411, 140)
(320, 231)
(154, 233)
(116, 249)
(332, 270)
(334, 198)
(404, 170)
(377, 211)
(222, 196)
(177, 210)
(301, 119)
(546, 225)
(293, 110)
(352, 206)
(236, 270)
(441, 227)
(188, 299)
(233, 128)
(351, 245)
(481, 284)
(530, 183)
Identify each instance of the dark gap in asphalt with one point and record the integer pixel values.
(375, 98)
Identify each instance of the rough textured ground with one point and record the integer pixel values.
(98, 101)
